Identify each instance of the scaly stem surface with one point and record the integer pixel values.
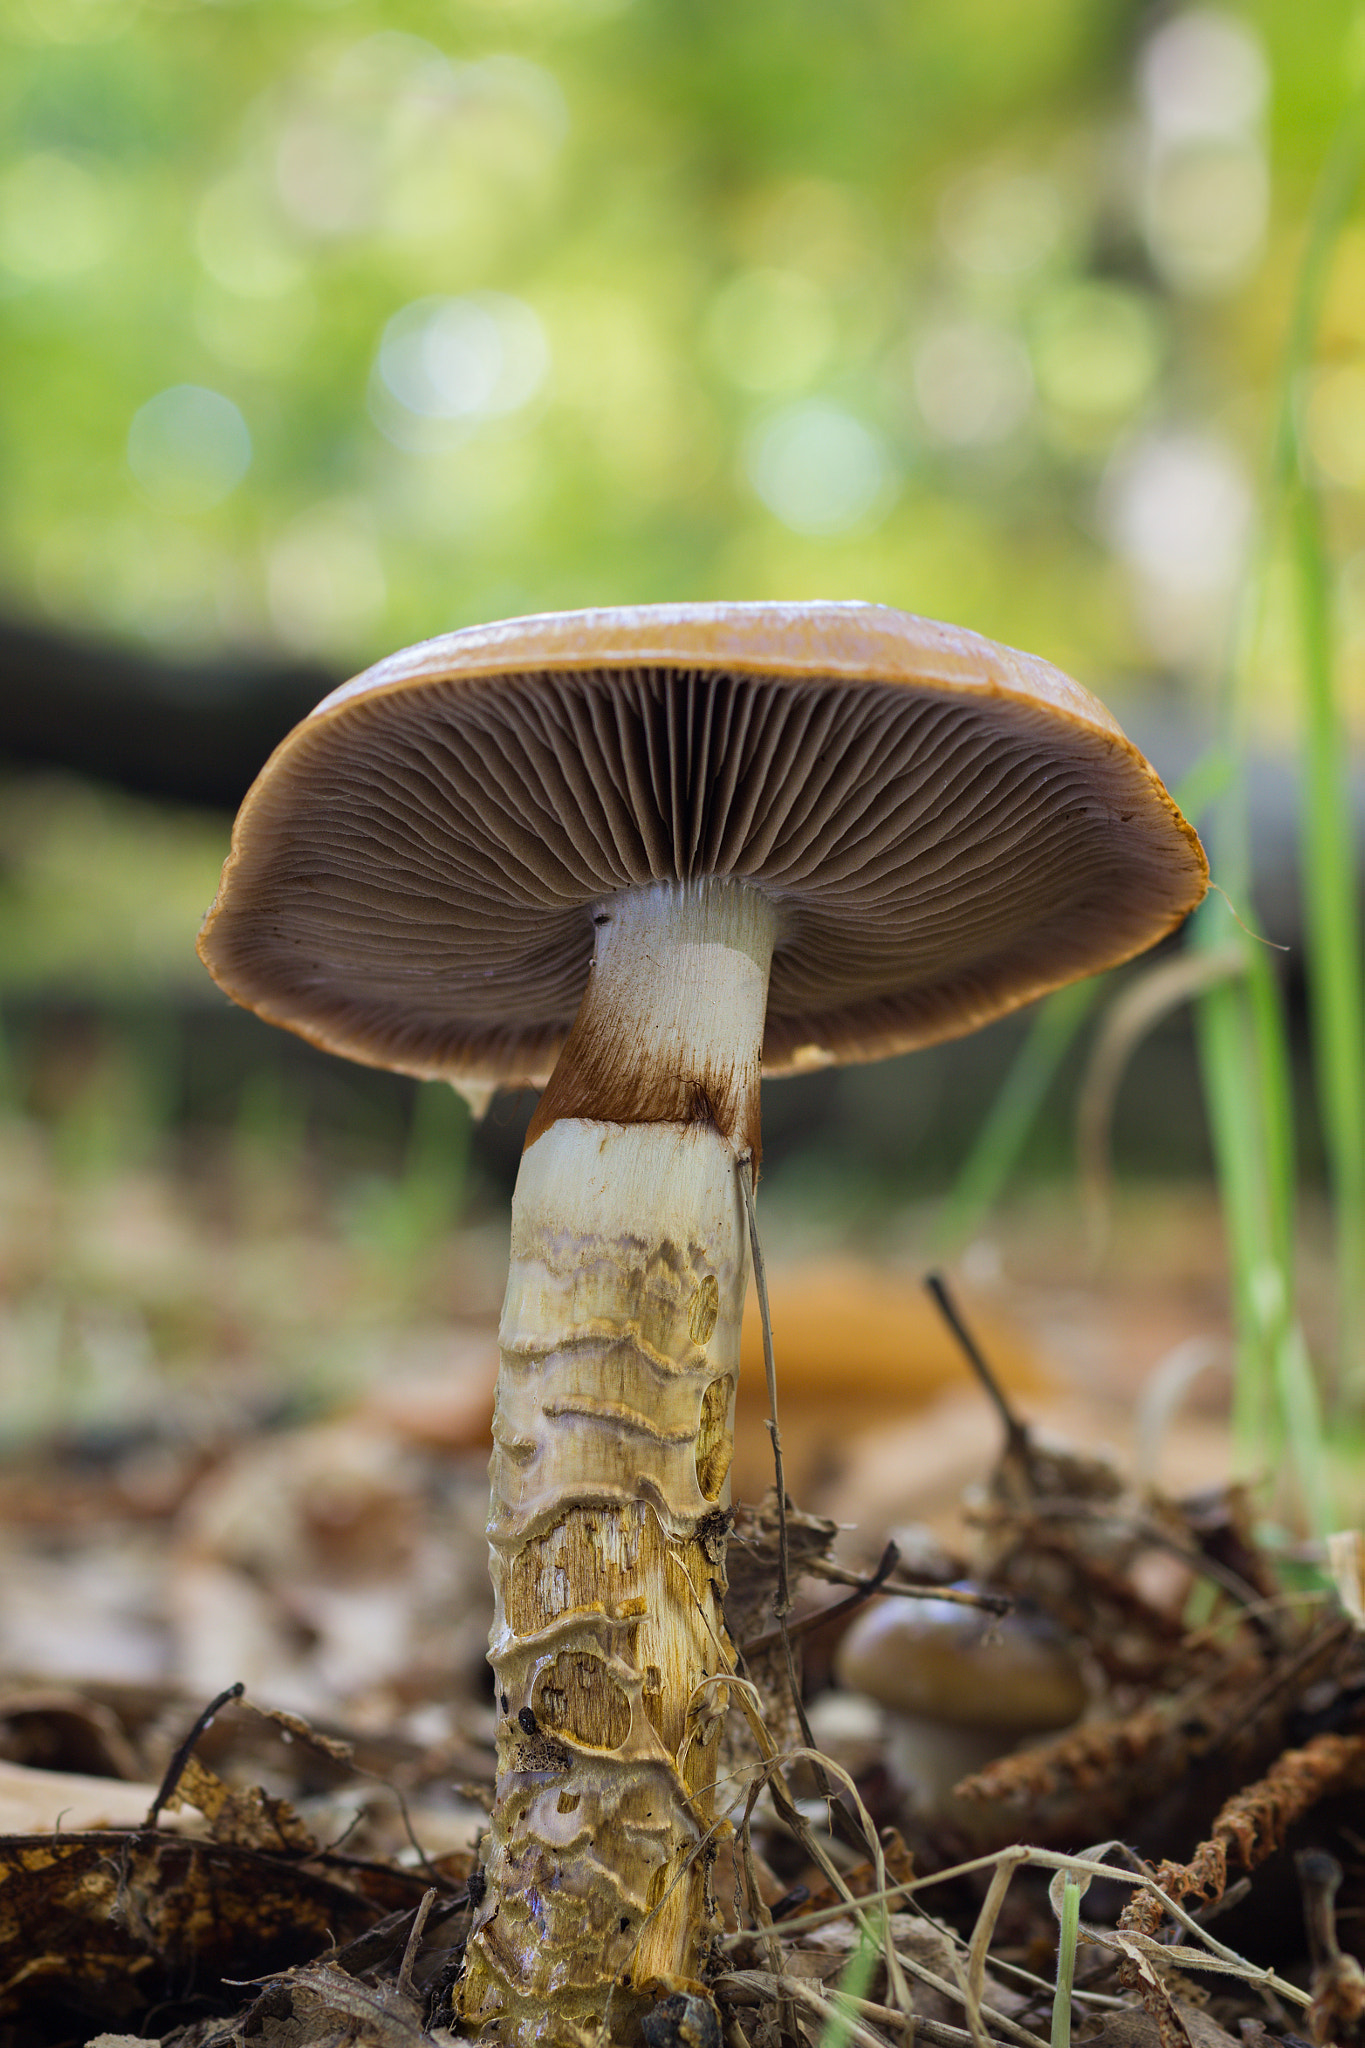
(612, 1446)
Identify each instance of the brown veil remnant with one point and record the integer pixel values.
(644, 856)
(947, 828)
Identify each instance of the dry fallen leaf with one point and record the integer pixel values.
(105, 1924)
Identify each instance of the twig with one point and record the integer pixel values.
(866, 1586)
(175, 1769)
(1018, 1442)
(782, 1602)
(865, 1589)
(985, 1923)
(843, 2014)
(413, 1946)
(751, 1986)
(912, 1589)
(790, 1814)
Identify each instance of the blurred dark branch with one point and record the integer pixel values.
(194, 730)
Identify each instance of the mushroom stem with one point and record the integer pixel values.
(613, 1436)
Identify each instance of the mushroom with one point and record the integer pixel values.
(959, 1686)
(632, 854)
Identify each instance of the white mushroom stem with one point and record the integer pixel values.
(612, 1445)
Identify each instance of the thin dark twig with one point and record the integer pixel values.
(165, 1791)
(1017, 1438)
(339, 1842)
(862, 1593)
(782, 1603)
(911, 1589)
(423, 1859)
(782, 1600)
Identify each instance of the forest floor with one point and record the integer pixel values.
(246, 1426)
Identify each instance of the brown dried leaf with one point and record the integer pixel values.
(56, 1729)
(105, 1924)
(321, 2007)
(864, 1879)
(39, 1802)
(1134, 2029)
(1141, 1972)
(249, 1818)
(296, 1728)
(753, 1566)
(752, 1561)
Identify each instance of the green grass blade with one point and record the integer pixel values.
(1231, 1091)
(1243, 1038)
(852, 1984)
(1330, 892)
(1067, 1939)
(1005, 1129)
(1333, 928)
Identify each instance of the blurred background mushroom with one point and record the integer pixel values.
(958, 1686)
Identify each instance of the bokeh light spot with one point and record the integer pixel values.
(1177, 508)
(1096, 351)
(450, 363)
(262, 336)
(1203, 81)
(325, 176)
(810, 225)
(238, 246)
(339, 151)
(820, 470)
(1001, 223)
(188, 448)
(1205, 211)
(57, 218)
(973, 383)
(75, 21)
(770, 330)
(1202, 74)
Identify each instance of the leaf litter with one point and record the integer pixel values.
(258, 1873)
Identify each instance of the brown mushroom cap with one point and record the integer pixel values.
(949, 829)
(949, 1663)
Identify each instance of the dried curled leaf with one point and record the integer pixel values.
(249, 1818)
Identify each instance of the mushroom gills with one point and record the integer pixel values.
(612, 1440)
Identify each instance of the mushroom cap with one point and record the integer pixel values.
(948, 828)
(946, 1662)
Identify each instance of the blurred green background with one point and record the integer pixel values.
(329, 326)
